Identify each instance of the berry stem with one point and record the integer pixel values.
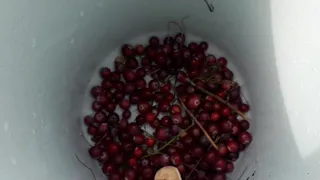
(218, 98)
(200, 126)
(86, 167)
(195, 166)
(175, 138)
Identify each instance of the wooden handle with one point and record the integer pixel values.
(168, 173)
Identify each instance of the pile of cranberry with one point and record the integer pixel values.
(163, 83)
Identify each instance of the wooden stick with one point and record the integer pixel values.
(218, 98)
(200, 126)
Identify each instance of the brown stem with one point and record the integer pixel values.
(86, 167)
(195, 166)
(194, 169)
(218, 98)
(200, 126)
(175, 138)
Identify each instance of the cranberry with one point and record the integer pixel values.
(187, 158)
(113, 118)
(245, 138)
(148, 173)
(125, 104)
(223, 150)
(165, 88)
(226, 126)
(193, 101)
(211, 157)
(138, 152)
(176, 119)
(215, 116)
(95, 152)
(176, 159)
(197, 152)
(244, 124)
(123, 124)
(166, 121)
(92, 130)
(129, 75)
(222, 61)
(162, 134)
(203, 45)
(113, 147)
(230, 167)
(145, 62)
(154, 41)
(233, 146)
(226, 111)
(221, 165)
(143, 107)
(88, 120)
(127, 50)
(218, 176)
(182, 77)
(150, 142)
(204, 116)
(244, 108)
(164, 106)
(110, 107)
(140, 49)
(129, 88)
(195, 132)
(138, 139)
(175, 109)
(130, 174)
(164, 160)
(97, 90)
(134, 129)
(109, 168)
(99, 117)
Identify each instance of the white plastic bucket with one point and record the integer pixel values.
(50, 52)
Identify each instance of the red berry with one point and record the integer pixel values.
(245, 138)
(166, 88)
(215, 116)
(143, 107)
(132, 162)
(162, 134)
(95, 152)
(244, 124)
(233, 146)
(150, 142)
(175, 109)
(221, 165)
(140, 49)
(127, 50)
(193, 102)
(176, 159)
(113, 148)
(138, 152)
(230, 167)
(226, 111)
(138, 139)
(244, 108)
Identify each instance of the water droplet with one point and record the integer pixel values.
(33, 131)
(34, 43)
(34, 115)
(13, 161)
(6, 126)
(81, 13)
(72, 41)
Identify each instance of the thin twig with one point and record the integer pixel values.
(195, 166)
(200, 126)
(197, 171)
(175, 23)
(171, 141)
(218, 98)
(86, 167)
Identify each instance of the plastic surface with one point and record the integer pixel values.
(49, 51)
